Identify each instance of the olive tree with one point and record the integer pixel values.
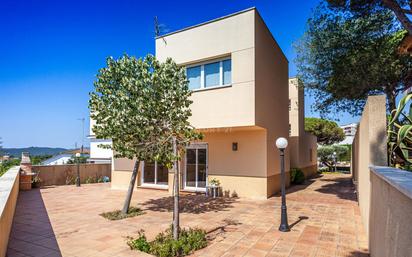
(143, 106)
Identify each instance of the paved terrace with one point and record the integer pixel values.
(65, 221)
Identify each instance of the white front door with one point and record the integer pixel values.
(195, 177)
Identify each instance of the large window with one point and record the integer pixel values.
(154, 174)
(213, 74)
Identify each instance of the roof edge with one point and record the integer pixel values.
(206, 22)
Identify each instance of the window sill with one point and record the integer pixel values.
(211, 88)
(154, 186)
(194, 190)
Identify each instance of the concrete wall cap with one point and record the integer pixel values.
(6, 185)
(400, 179)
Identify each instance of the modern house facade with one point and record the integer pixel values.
(303, 145)
(350, 132)
(239, 78)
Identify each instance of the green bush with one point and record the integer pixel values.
(165, 246)
(118, 214)
(297, 176)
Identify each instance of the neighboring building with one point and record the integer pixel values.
(350, 132)
(4, 158)
(63, 158)
(303, 145)
(239, 78)
(99, 154)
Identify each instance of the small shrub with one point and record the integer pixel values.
(164, 245)
(323, 169)
(118, 215)
(297, 176)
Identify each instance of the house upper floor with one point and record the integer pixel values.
(237, 71)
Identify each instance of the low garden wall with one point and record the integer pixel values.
(66, 174)
(390, 226)
(369, 148)
(9, 190)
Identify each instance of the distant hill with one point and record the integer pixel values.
(16, 152)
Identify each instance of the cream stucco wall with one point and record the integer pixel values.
(272, 93)
(369, 148)
(9, 191)
(297, 107)
(303, 145)
(233, 37)
(252, 111)
(390, 229)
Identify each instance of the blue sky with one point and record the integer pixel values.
(51, 50)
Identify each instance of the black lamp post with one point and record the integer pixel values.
(281, 144)
(78, 169)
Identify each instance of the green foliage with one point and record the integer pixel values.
(343, 58)
(142, 104)
(401, 8)
(400, 133)
(165, 246)
(214, 182)
(6, 165)
(347, 156)
(118, 214)
(74, 159)
(297, 176)
(327, 132)
(325, 153)
(37, 159)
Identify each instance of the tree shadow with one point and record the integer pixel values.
(194, 204)
(32, 233)
(298, 187)
(220, 231)
(342, 188)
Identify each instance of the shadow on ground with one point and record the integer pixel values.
(194, 204)
(341, 187)
(294, 188)
(32, 233)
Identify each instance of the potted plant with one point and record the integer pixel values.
(214, 186)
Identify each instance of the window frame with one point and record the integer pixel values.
(203, 77)
(155, 184)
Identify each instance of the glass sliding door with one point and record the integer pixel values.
(154, 174)
(196, 167)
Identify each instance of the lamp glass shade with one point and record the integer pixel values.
(281, 143)
(77, 155)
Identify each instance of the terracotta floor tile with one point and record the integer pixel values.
(64, 221)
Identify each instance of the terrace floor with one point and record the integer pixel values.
(64, 221)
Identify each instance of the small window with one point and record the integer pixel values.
(193, 75)
(227, 72)
(290, 105)
(290, 129)
(212, 73)
(154, 173)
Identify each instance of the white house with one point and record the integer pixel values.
(99, 154)
(350, 131)
(63, 158)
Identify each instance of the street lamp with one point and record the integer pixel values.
(334, 160)
(78, 169)
(281, 144)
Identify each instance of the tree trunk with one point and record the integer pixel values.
(176, 195)
(399, 13)
(131, 187)
(391, 100)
